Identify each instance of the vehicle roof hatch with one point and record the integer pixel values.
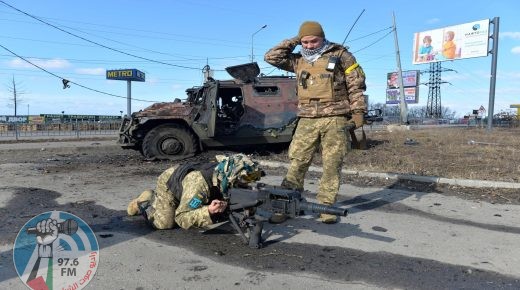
(244, 72)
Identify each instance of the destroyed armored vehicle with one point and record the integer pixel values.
(249, 110)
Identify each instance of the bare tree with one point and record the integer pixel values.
(421, 112)
(16, 100)
(447, 113)
(373, 106)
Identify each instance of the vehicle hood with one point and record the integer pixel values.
(244, 72)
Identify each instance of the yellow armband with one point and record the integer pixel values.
(351, 68)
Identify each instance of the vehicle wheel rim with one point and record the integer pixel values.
(171, 146)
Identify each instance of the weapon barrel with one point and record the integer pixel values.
(323, 208)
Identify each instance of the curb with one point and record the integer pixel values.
(395, 176)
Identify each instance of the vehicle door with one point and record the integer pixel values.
(204, 124)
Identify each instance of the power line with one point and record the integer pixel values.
(378, 40)
(108, 61)
(473, 75)
(65, 81)
(6, 71)
(146, 49)
(47, 41)
(352, 27)
(116, 61)
(148, 32)
(184, 58)
(361, 37)
(370, 34)
(152, 60)
(378, 58)
(96, 43)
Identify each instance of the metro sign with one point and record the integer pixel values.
(126, 75)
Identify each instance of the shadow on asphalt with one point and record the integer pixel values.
(336, 263)
(111, 226)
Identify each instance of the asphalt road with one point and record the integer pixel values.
(392, 239)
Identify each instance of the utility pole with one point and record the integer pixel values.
(16, 100)
(403, 106)
(252, 37)
(493, 80)
(16, 96)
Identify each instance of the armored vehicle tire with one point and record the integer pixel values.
(169, 141)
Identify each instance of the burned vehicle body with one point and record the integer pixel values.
(248, 110)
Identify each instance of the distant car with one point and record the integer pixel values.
(248, 110)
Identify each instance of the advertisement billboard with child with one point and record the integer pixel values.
(453, 42)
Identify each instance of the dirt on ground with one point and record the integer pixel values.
(95, 179)
(456, 153)
(464, 153)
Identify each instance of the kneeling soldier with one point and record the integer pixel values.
(193, 194)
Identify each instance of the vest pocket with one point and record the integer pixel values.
(319, 86)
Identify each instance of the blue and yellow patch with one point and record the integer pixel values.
(195, 202)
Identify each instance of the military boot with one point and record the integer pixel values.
(133, 206)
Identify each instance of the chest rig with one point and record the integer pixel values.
(175, 182)
(315, 83)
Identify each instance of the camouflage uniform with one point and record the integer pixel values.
(162, 204)
(322, 120)
(164, 209)
(196, 192)
(165, 212)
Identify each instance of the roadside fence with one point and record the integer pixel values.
(69, 129)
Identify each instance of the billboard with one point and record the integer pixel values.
(411, 96)
(410, 79)
(453, 42)
(410, 86)
(80, 117)
(13, 119)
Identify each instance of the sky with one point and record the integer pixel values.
(171, 41)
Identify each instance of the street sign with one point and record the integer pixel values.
(126, 75)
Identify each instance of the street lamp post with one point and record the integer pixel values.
(252, 37)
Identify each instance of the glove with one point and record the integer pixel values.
(358, 119)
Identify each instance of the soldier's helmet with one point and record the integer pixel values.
(234, 170)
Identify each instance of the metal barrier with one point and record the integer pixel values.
(9, 131)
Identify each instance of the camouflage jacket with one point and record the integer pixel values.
(192, 210)
(349, 79)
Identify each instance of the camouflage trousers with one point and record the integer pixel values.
(161, 213)
(332, 134)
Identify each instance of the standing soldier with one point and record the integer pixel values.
(330, 87)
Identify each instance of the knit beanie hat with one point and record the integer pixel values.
(311, 28)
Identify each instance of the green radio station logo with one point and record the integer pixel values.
(56, 250)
